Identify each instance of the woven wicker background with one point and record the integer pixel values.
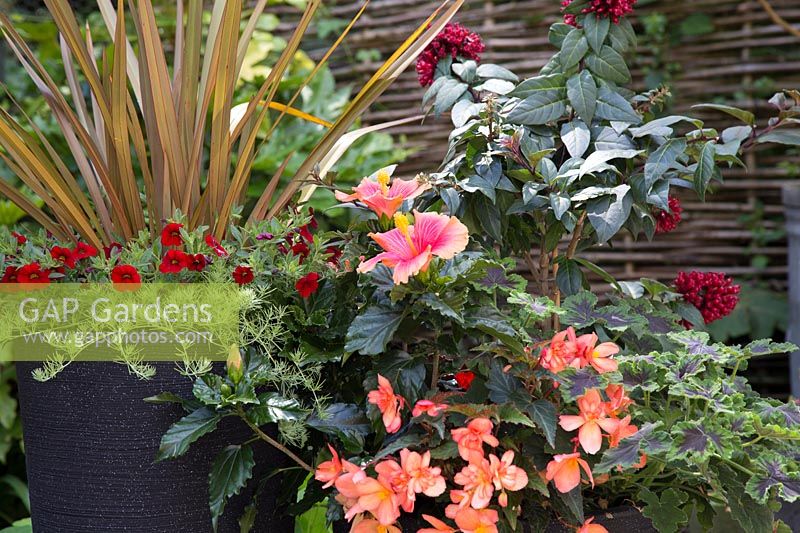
(723, 65)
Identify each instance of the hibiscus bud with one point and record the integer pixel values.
(234, 364)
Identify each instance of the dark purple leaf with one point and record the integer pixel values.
(685, 368)
(496, 277)
(580, 310)
(647, 439)
(580, 380)
(696, 439)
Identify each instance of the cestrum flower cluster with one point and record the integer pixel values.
(712, 293)
(612, 9)
(455, 41)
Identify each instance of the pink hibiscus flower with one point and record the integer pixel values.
(409, 249)
(376, 193)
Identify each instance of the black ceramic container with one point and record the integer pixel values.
(90, 444)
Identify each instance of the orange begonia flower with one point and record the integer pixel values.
(565, 471)
(471, 438)
(590, 420)
(388, 403)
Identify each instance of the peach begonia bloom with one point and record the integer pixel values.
(377, 497)
(438, 526)
(623, 430)
(477, 480)
(599, 357)
(381, 197)
(328, 471)
(471, 520)
(388, 403)
(413, 475)
(565, 471)
(369, 525)
(409, 248)
(618, 400)
(506, 476)
(428, 407)
(588, 527)
(460, 499)
(561, 351)
(591, 419)
(471, 438)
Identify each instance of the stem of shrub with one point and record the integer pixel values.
(272, 442)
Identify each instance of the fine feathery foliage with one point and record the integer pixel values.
(151, 136)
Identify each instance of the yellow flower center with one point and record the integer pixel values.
(401, 223)
(383, 180)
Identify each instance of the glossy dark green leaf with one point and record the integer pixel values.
(372, 330)
(538, 108)
(576, 137)
(573, 48)
(184, 432)
(612, 106)
(596, 30)
(545, 417)
(231, 470)
(570, 278)
(608, 214)
(582, 94)
(705, 170)
(345, 421)
(662, 160)
(273, 407)
(609, 65)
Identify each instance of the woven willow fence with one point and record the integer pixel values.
(745, 51)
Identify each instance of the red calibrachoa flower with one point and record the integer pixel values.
(455, 41)
(33, 273)
(307, 285)
(11, 275)
(125, 277)
(712, 293)
(21, 239)
(613, 9)
(174, 261)
(84, 251)
(197, 262)
(64, 255)
(171, 234)
(214, 244)
(464, 379)
(667, 221)
(243, 275)
(112, 249)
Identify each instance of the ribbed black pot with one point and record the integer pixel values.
(90, 444)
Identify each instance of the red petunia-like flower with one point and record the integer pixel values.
(11, 275)
(712, 293)
(174, 261)
(21, 239)
(171, 234)
(197, 262)
(243, 275)
(667, 221)
(84, 251)
(126, 276)
(455, 41)
(214, 244)
(613, 9)
(307, 285)
(64, 255)
(33, 273)
(300, 249)
(112, 249)
(464, 379)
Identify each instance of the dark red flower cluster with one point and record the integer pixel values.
(455, 41)
(712, 293)
(667, 221)
(613, 9)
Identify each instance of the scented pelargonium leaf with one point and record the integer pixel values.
(746, 510)
(576, 382)
(649, 439)
(695, 440)
(774, 475)
(767, 347)
(536, 308)
(642, 375)
(787, 414)
(665, 510)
